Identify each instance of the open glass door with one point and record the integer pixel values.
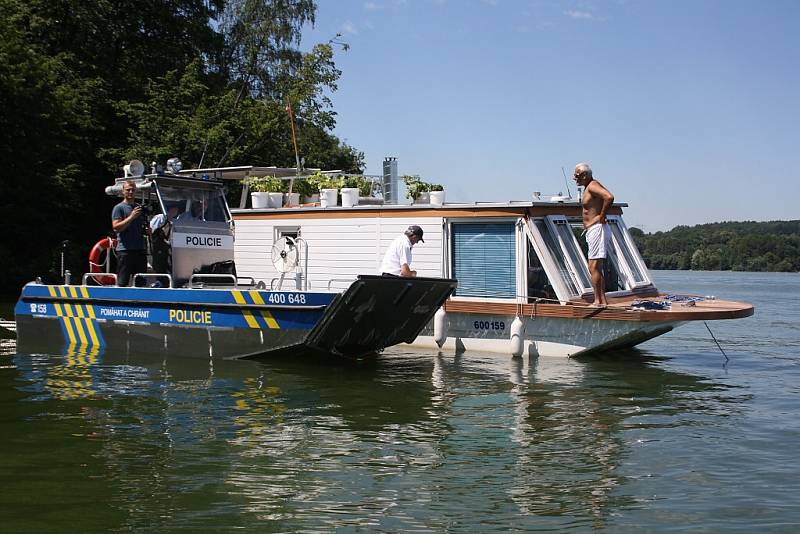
(625, 255)
(561, 256)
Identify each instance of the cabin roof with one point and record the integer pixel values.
(251, 171)
(512, 205)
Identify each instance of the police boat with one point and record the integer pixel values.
(192, 303)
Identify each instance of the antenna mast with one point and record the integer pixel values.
(294, 141)
(566, 182)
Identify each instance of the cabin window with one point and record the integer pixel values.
(484, 259)
(538, 283)
(560, 255)
(202, 203)
(625, 255)
(287, 231)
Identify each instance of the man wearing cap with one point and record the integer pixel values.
(397, 260)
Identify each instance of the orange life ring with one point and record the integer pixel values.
(98, 266)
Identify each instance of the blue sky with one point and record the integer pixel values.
(686, 110)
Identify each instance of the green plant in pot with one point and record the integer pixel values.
(304, 187)
(363, 185)
(415, 186)
(264, 184)
(323, 181)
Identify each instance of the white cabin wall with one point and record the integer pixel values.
(339, 249)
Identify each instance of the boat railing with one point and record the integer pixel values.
(152, 276)
(201, 280)
(339, 280)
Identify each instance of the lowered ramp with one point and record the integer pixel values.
(377, 312)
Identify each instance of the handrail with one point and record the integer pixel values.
(145, 276)
(200, 277)
(339, 280)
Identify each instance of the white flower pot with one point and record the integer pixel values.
(349, 197)
(328, 197)
(259, 199)
(423, 198)
(437, 198)
(275, 200)
(292, 199)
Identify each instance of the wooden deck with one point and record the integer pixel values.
(619, 309)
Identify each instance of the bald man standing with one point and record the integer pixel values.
(596, 200)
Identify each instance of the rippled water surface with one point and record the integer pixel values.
(671, 436)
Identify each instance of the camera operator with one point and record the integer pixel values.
(129, 221)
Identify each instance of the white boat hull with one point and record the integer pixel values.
(541, 336)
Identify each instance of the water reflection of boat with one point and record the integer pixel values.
(193, 302)
(544, 440)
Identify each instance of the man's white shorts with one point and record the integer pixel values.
(598, 237)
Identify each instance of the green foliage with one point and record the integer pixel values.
(320, 181)
(304, 188)
(264, 184)
(737, 246)
(86, 86)
(363, 185)
(415, 186)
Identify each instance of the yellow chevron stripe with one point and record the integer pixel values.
(92, 333)
(52, 291)
(57, 306)
(93, 354)
(73, 292)
(79, 310)
(90, 310)
(268, 318)
(68, 310)
(70, 354)
(248, 315)
(84, 292)
(70, 333)
(79, 328)
(62, 291)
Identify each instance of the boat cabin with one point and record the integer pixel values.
(192, 226)
(516, 251)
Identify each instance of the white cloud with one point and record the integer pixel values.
(348, 28)
(371, 6)
(491, 3)
(577, 14)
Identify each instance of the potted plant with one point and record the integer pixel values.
(417, 190)
(437, 194)
(264, 191)
(353, 188)
(328, 187)
(307, 191)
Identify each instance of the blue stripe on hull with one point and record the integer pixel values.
(84, 313)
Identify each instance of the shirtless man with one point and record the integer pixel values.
(595, 200)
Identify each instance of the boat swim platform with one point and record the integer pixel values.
(627, 308)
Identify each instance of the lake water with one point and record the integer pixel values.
(668, 437)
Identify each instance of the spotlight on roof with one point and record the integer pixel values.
(134, 168)
(174, 165)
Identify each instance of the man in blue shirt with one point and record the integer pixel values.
(129, 223)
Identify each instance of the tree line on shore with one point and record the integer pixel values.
(87, 86)
(725, 246)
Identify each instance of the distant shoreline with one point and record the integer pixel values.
(748, 246)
